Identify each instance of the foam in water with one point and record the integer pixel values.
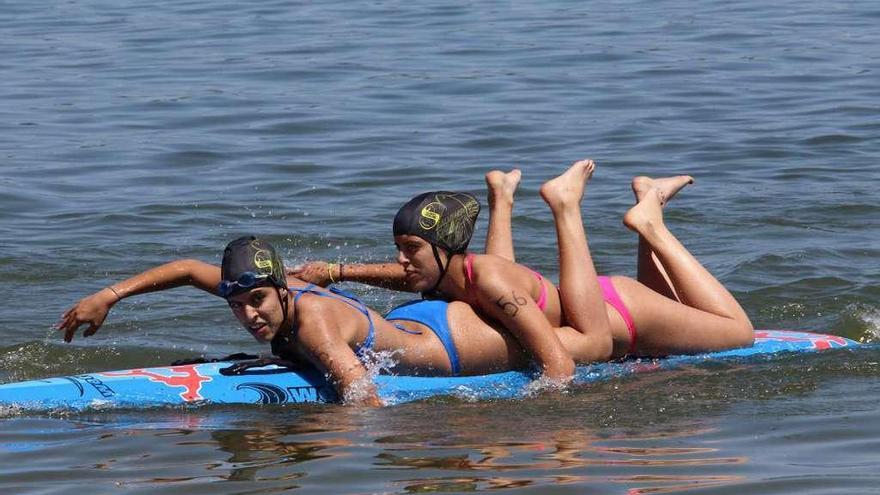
(871, 318)
(376, 363)
(11, 410)
(37, 359)
(545, 384)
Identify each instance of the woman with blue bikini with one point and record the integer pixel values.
(326, 328)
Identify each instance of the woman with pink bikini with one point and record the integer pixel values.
(675, 306)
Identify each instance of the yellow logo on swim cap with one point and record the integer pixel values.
(263, 261)
(430, 218)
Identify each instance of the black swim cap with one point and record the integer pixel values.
(444, 219)
(249, 262)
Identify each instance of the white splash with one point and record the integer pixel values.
(544, 384)
(380, 362)
(376, 363)
(871, 317)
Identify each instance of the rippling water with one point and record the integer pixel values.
(132, 134)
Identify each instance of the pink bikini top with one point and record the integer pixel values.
(609, 294)
(469, 273)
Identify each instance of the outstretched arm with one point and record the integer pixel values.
(385, 275)
(94, 308)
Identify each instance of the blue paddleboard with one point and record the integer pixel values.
(204, 384)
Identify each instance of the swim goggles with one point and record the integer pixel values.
(245, 281)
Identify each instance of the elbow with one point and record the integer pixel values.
(603, 348)
(746, 334)
(185, 266)
(597, 347)
(560, 368)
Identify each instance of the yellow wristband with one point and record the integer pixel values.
(330, 272)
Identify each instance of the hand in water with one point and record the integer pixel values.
(92, 310)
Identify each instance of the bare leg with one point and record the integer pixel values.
(502, 186)
(580, 294)
(695, 286)
(650, 270)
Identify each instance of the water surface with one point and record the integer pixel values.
(133, 134)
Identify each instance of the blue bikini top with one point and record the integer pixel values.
(347, 298)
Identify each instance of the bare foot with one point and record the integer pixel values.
(667, 187)
(568, 188)
(647, 214)
(502, 185)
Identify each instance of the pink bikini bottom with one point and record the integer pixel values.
(609, 293)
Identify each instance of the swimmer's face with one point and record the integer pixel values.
(259, 310)
(416, 257)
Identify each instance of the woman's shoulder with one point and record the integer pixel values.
(497, 264)
(490, 261)
(490, 270)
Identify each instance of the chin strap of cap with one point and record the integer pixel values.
(285, 302)
(435, 293)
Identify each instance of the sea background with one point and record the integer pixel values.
(134, 133)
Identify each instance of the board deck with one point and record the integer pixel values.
(204, 384)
